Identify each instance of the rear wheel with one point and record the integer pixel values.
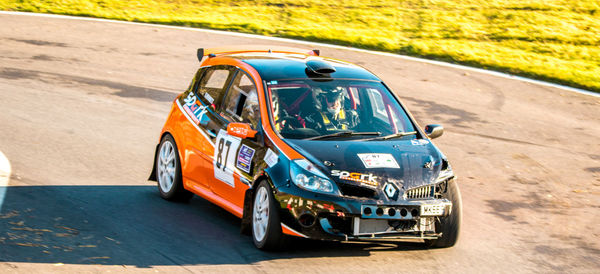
(266, 227)
(449, 226)
(168, 172)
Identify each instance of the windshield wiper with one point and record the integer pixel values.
(391, 136)
(343, 134)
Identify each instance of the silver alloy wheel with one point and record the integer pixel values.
(166, 164)
(260, 217)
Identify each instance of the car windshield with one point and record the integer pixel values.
(317, 109)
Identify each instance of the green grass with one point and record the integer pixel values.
(553, 40)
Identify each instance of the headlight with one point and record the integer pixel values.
(305, 175)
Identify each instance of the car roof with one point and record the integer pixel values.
(279, 66)
(279, 63)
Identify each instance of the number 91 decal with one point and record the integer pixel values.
(224, 158)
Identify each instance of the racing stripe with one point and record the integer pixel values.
(289, 231)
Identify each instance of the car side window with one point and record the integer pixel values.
(379, 110)
(241, 101)
(214, 82)
(196, 80)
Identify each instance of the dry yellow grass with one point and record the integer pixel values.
(554, 40)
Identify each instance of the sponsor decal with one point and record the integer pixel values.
(189, 118)
(209, 98)
(271, 158)
(419, 142)
(363, 179)
(391, 191)
(224, 157)
(378, 160)
(239, 130)
(244, 159)
(196, 112)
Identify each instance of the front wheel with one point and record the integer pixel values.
(266, 227)
(449, 226)
(168, 172)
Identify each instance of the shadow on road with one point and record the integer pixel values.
(132, 225)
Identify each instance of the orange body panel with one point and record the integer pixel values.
(234, 195)
(196, 157)
(256, 48)
(197, 149)
(191, 148)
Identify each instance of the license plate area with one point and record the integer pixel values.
(434, 210)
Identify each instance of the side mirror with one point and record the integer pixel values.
(241, 130)
(434, 131)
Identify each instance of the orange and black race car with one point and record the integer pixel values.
(299, 145)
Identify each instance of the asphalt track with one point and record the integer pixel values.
(82, 103)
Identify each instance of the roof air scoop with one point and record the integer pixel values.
(319, 67)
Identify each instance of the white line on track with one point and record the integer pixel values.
(287, 40)
(4, 177)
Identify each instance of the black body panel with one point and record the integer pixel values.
(295, 68)
(411, 155)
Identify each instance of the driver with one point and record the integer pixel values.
(331, 114)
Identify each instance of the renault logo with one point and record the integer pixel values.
(391, 191)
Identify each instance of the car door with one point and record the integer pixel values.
(200, 133)
(234, 157)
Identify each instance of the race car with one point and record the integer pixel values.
(298, 145)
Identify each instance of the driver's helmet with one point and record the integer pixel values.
(329, 99)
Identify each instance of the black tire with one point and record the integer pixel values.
(449, 225)
(273, 238)
(175, 192)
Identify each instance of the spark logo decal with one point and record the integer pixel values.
(364, 179)
(196, 112)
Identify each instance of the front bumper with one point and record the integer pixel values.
(326, 217)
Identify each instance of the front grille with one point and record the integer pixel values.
(423, 192)
(357, 191)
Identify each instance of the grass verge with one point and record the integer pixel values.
(552, 40)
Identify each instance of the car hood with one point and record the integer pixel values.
(405, 163)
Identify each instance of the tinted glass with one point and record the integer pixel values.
(307, 108)
(217, 79)
(241, 102)
(213, 82)
(196, 80)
